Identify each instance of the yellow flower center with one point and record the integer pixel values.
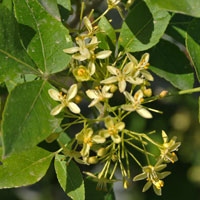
(159, 184)
(112, 130)
(88, 140)
(81, 72)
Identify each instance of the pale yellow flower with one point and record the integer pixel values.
(99, 95)
(121, 77)
(113, 129)
(135, 104)
(141, 67)
(65, 100)
(168, 148)
(153, 176)
(86, 52)
(87, 139)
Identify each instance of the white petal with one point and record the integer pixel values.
(128, 68)
(120, 126)
(104, 133)
(132, 59)
(103, 54)
(54, 94)
(92, 94)
(109, 123)
(107, 95)
(128, 107)
(73, 107)
(144, 60)
(113, 70)
(112, 79)
(136, 81)
(93, 103)
(72, 92)
(88, 132)
(129, 97)
(98, 139)
(144, 113)
(79, 57)
(87, 23)
(85, 52)
(92, 68)
(147, 75)
(116, 138)
(57, 109)
(106, 88)
(122, 85)
(71, 50)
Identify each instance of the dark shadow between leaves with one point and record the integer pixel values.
(168, 57)
(140, 22)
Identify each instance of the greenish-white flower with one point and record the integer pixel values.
(122, 76)
(141, 67)
(87, 138)
(153, 176)
(99, 95)
(113, 129)
(135, 104)
(86, 51)
(168, 148)
(65, 100)
(81, 73)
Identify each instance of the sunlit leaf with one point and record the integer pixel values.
(193, 44)
(24, 168)
(143, 27)
(46, 47)
(26, 118)
(70, 178)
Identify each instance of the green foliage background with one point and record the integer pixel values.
(32, 39)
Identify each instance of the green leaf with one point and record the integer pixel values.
(14, 60)
(193, 44)
(11, 84)
(51, 7)
(25, 168)
(188, 7)
(169, 62)
(26, 118)
(143, 27)
(70, 178)
(108, 37)
(7, 3)
(199, 109)
(46, 47)
(65, 3)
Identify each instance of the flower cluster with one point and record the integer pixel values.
(99, 78)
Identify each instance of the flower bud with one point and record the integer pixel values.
(114, 158)
(92, 160)
(78, 99)
(126, 183)
(113, 88)
(101, 152)
(163, 94)
(148, 92)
